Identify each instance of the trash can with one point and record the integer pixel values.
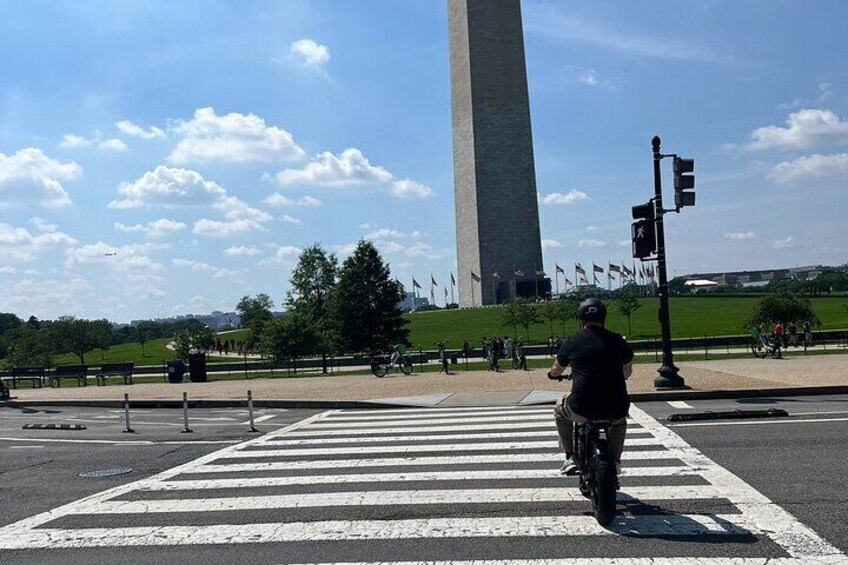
(453, 359)
(197, 367)
(176, 370)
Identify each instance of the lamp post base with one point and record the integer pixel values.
(668, 377)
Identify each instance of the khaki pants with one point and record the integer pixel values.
(565, 418)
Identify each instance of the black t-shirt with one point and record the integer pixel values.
(597, 357)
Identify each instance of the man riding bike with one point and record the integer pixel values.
(601, 362)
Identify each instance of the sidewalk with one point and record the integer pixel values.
(470, 388)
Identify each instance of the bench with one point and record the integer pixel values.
(35, 375)
(77, 372)
(123, 370)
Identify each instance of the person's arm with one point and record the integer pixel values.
(561, 362)
(628, 370)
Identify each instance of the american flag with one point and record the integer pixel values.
(415, 284)
(496, 275)
(614, 268)
(474, 277)
(518, 273)
(560, 269)
(433, 281)
(453, 280)
(597, 269)
(540, 272)
(579, 269)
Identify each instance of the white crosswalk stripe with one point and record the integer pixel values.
(483, 474)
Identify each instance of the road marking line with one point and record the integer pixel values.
(226, 461)
(259, 419)
(437, 410)
(422, 476)
(339, 530)
(466, 413)
(127, 442)
(270, 451)
(678, 404)
(311, 432)
(446, 423)
(390, 498)
(761, 513)
(414, 438)
(622, 561)
(26, 446)
(22, 527)
(760, 422)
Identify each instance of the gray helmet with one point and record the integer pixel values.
(592, 310)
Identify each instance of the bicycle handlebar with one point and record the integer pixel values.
(565, 376)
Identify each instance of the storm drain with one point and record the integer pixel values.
(100, 473)
(54, 427)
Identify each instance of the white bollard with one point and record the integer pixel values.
(129, 430)
(186, 429)
(250, 410)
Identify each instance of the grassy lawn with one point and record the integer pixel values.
(690, 317)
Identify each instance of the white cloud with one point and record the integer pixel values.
(191, 264)
(624, 242)
(738, 236)
(156, 229)
(289, 219)
(214, 228)
(309, 53)
(48, 297)
(571, 197)
(384, 233)
(133, 130)
(112, 145)
(350, 168)
(42, 225)
(591, 243)
(327, 169)
(168, 187)
(407, 188)
(786, 243)
(811, 166)
(591, 229)
(283, 255)
(31, 177)
(7, 270)
(804, 129)
(278, 199)
(345, 250)
(71, 140)
(19, 244)
(241, 251)
(551, 244)
(233, 138)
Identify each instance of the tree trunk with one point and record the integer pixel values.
(143, 354)
(629, 326)
(81, 356)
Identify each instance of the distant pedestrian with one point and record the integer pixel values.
(793, 334)
(808, 335)
(778, 333)
(443, 357)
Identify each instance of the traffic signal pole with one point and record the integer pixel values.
(668, 374)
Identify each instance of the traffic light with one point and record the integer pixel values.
(643, 231)
(684, 181)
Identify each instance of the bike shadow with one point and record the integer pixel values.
(638, 519)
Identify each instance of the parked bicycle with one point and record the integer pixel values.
(382, 365)
(765, 346)
(598, 478)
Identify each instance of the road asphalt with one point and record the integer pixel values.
(794, 374)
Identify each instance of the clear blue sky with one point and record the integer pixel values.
(161, 158)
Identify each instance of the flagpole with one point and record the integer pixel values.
(556, 274)
(414, 305)
(472, 291)
(452, 285)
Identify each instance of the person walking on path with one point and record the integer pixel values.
(601, 361)
(443, 357)
(808, 335)
(793, 334)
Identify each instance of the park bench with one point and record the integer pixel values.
(123, 370)
(77, 372)
(33, 374)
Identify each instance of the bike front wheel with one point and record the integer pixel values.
(603, 491)
(758, 351)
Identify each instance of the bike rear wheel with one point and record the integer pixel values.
(603, 495)
(379, 369)
(405, 366)
(758, 351)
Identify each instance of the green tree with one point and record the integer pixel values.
(73, 335)
(366, 303)
(550, 311)
(313, 281)
(8, 322)
(568, 309)
(143, 332)
(102, 333)
(784, 307)
(27, 346)
(182, 344)
(203, 338)
(254, 314)
(628, 303)
(520, 312)
(288, 338)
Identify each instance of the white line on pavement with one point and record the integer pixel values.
(423, 476)
(118, 442)
(466, 413)
(270, 451)
(760, 422)
(390, 498)
(418, 438)
(678, 404)
(624, 561)
(439, 528)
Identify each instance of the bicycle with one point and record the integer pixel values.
(596, 471)
(766, 346)
(519, 359)
(381, 365)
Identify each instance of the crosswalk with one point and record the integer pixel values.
(453, 485)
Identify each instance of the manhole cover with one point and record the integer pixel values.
(106, 472)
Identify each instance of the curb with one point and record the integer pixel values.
(658, 396)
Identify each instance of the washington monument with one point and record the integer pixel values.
(497, 213)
